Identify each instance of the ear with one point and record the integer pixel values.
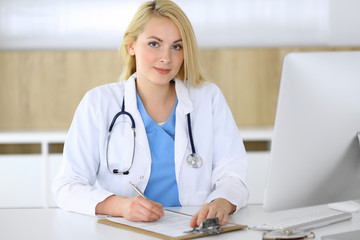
(131, 49)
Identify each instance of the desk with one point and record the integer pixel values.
(55, 223)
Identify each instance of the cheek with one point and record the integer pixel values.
(179, 59)
(144, 59)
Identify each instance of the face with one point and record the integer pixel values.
(158, 51)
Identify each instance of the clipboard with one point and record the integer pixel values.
(151, 228)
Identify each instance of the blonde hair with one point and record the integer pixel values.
(191, 69)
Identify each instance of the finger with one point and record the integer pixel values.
(202, 215)
(141, 209)
(155, 207)
(211, 213)
(198, 218)
(194, 220)
(151, 209)
(159, 208)
(223, 218)
(145, 215)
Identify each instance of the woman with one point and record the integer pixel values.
(169, 104)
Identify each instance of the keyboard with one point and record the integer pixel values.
(306, 221)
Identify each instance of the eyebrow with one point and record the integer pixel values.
(160, 40)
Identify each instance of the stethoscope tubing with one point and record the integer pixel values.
(118, 114)
(190, 134)
(116, 171)
(194, 160)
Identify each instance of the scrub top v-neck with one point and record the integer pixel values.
(162, 186)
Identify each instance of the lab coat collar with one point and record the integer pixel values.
(130, 94)
(182, 92)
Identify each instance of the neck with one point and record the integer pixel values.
(155, 94)
(158, 100)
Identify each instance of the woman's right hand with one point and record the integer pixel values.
(136, 209)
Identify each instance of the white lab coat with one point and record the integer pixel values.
(216, 138)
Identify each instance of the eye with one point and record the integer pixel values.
(177, 47)
(153, 44)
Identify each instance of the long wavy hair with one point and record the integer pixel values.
(191, 69)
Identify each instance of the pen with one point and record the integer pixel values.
(137, 190)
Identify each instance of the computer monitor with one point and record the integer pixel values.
(315, 151)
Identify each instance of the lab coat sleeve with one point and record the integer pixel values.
(230, 161)
(73, 187)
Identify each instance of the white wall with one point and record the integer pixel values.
(99, 24)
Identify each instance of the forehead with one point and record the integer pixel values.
(161, 27)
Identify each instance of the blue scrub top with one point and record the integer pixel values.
(162, 186)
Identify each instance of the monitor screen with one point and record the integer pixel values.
(315, 151)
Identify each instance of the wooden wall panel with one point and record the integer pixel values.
(40, 90)
(249, 79)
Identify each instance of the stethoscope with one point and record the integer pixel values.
(193, 160)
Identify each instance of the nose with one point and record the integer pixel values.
(165, 56)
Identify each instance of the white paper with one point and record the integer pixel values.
(172, 224)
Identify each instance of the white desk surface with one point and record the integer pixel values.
(55, 223)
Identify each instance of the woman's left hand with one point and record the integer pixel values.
(220, 208)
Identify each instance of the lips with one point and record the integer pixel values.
(162, 70)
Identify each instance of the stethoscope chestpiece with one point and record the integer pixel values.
(194, 160)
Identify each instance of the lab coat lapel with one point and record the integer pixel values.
(181, 134)
(131, 107)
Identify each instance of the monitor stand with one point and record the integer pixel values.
(347, 206)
